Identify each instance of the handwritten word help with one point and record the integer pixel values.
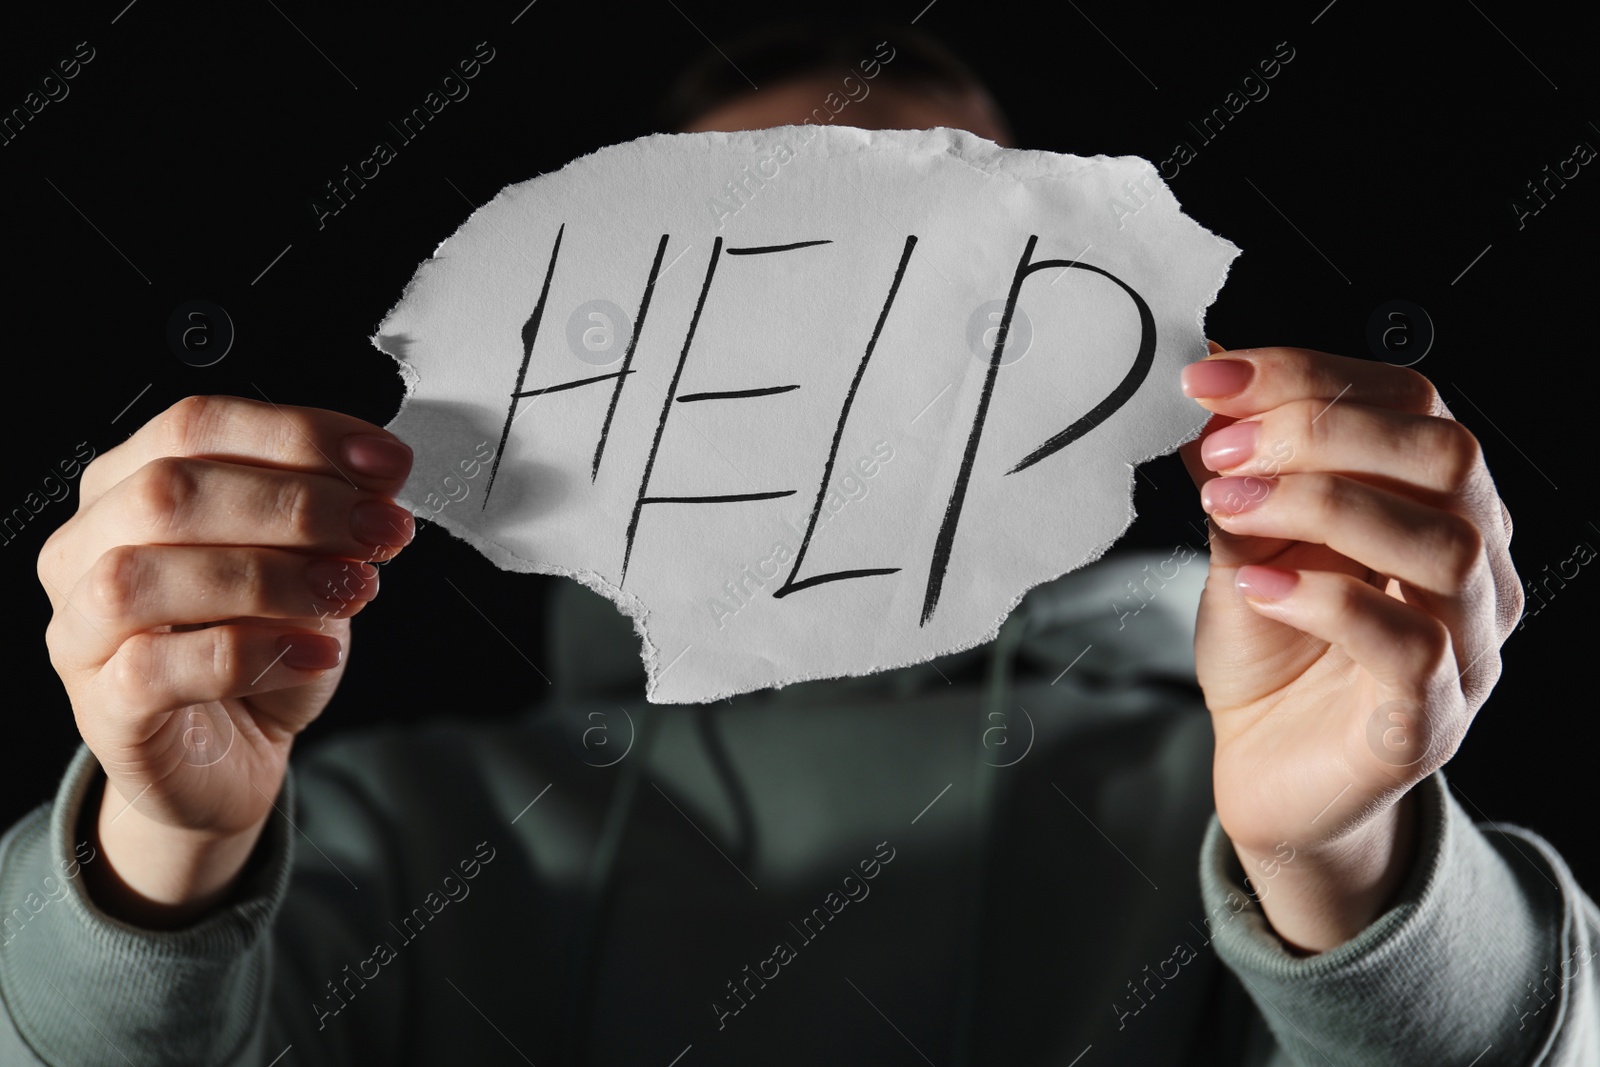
(762, 356)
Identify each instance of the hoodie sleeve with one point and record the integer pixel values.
(79, 988)
(1486, 957)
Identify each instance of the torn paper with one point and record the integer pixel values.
(804, 402)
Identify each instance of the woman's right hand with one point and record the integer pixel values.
(202, 597)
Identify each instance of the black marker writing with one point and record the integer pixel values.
(1119, 396)
(572, 385)
(1125, 389)
(627, 360)
(672, 395)
(736, 394)
(666, 407)
(789, 584)
(530, 330)
(761, 250)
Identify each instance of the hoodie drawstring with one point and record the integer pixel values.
(995, 707)
(601, 886)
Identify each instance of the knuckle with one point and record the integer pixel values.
(184, 424)
(1417, 393)
(129, 675)
(286, 433)
(1426, 646)
(1333, 496)
(160, 494)
(55, 642)
(1460, 550)
(245, 579)
(1350, 601)
(46, 564)
(1455, 453)
(1434, 645)
(245, 572)
(92, 481)
(227, 670)
(112, 586)
(1300, 412)
(293, 509)
(1293, 427)
(1486, 675)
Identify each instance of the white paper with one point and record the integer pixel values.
(871, 472)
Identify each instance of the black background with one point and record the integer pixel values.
(185, 157)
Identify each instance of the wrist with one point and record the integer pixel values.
(158, 876)
(1333, 891)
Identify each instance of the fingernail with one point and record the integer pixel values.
(1216, 378)
(1230, 496)
(377, 457)
(1230, 446)
(1266, 583)
(341, 581)
(310, 652)
(377, 522)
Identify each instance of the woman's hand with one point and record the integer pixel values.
(202, 595)
(1359, 591)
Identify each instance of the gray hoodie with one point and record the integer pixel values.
(989, 859)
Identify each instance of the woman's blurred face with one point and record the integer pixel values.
(884, 106)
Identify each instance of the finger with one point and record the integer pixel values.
(1243, 382)
(309, 440)
(1225, 548)
(1405, 649)
(1435, 460)
(1190, 453)
(155, 673)
(134, 588)
(1395, 641)
(1427, 548)
(1400, 450)
(1436, 559)
(206, 502)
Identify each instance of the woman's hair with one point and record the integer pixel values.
(790, 51)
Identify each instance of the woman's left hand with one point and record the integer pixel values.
(1359, 592)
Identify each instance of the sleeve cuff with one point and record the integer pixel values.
(1440, 977)
(193, 995)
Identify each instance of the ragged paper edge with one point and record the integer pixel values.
(1096, 553)
(977, 153)
(496, 553)
(502, 557)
